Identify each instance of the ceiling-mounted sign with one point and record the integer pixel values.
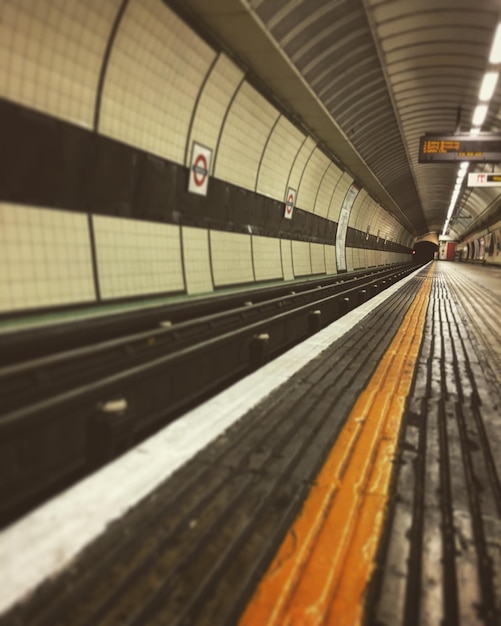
(199, 169)
(290, 203)
(461, 147)
(484, 180)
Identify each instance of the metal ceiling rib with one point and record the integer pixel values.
(332, 46)
(435, 53)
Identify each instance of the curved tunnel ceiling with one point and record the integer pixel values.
(378, 74)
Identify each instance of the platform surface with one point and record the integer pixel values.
(361, 485)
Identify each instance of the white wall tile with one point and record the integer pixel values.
(330, 259)
(360, 215)
(326, 191)
(231, 256)
(45, 258)
(136, 258)
(349, 259)
(196, 260)
(282, 148)
(354, 256)
(299, 163)
(286, 251)
(301, 260)
(317, 258)
(156, 69)
(248, 124)
(382, 222)
(364, 212)
(338, 197)
(310, 181)
(213, 103)
(362, 257)
(51, 54)
(267, 260)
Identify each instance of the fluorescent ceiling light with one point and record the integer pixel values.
(495, 55)
(464, 165)
(480, 114)
(475, 130)
(488, 86)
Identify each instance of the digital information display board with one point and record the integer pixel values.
(462, 147)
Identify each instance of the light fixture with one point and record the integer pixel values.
(488, 85)
(479, 114)
(495, 55)
(487, 88)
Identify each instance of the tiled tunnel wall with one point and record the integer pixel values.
(132, 81)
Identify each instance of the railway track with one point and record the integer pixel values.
(66, 412)
(29, 343)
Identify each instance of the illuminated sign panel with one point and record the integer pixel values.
(451, 148)
(484, 180)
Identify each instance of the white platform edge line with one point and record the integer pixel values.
(46, 541)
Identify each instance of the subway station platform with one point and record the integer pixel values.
(354, 480)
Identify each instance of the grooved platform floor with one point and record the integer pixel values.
(201, 549)
(441, 561)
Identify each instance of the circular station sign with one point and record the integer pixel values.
(290, 203)
(199, 169)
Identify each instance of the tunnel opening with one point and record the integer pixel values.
(424, 251)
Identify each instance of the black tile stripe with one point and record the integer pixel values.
(51, 163)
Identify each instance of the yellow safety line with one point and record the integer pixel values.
(322, 568)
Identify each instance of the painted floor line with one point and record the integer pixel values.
(324, 563)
